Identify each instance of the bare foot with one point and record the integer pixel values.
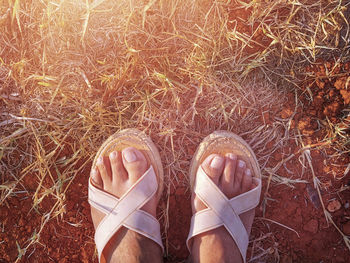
(116, 174)
(233, 178)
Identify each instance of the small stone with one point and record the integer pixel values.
(333, 206)
(346, 96)
(311, 226)
(346, 228)
(313, 196)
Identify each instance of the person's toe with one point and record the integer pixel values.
(213, 166)
(237, 185)
(96, 178)
(135, 163)
(247, 180)
(103, 166)
(227, 179)
(117, 167)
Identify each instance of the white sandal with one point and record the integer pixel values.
(125, 211)
(222, 211)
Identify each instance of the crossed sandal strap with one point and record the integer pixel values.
(105, 202)
(222, 211)
(126, 211)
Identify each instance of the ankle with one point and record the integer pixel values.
(129, 246)
(215, 245)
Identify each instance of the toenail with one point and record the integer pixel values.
(232, 156)
(248, 172)
(129, 155)
(217, 162)
(113, 155)
(241, 164)
(100, 160)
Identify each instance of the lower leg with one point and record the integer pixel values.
(217, 240)
(220, 241)
(129, 246)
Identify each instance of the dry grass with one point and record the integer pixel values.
(73, 72)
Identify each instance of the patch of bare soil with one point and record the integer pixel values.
(306, 236)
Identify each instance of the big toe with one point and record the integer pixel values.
(135, 163)
(213, 166)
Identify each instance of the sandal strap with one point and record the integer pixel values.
(105, 202)
(126, 211)
(101, 200)
(221, 211)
